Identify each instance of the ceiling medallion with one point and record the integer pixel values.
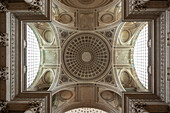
(107, 18)
(86, 56)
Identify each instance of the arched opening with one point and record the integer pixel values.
(141, 56)
(86, 110)
(32, 56)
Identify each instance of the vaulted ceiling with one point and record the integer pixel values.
(86, 54)
(83, 56)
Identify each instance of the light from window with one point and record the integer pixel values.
(86, 110)
(141, 56)
(33, 56)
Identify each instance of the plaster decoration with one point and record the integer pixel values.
(86, 20)
(85, 4)
(122, 57)
(3, 7)
(108, 95)
(35, 103)
(62, 97)
(111, 98)
(45, 33)
(3, 73)
(35, 107)
(109, 79)
(125, 78)
(36, 6)
(64, 79)
(3, 39)
(64, 34)
(65, 18)
(44, 79)
(12, 55)
(48, 77)
(129, 33)
(162, 55)
(124, 36)
(111, 16)
(168, 39)
(86, 56)
(139, 5)
(109, 34)
(48, 36)
(50, 57)
(107, 18)
(168, 73)
(65, 94)
(139, 103)
(138, 107)
(3, 107)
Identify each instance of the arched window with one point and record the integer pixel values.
(86, 110)
(141, 56)
(33, 56)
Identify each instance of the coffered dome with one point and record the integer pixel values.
(85, 4)
(86, 56)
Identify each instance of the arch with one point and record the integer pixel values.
(70, 106)
(85, 110)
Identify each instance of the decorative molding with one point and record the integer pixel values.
(12, 55)
(139, 5)
(3, 6)
(162, 55)
(35, 106)
(36, 101)
(64, 34)
(139, 103)
(168, 39)
(3, 107)
(3, 39)
(109, 34)
(138, 107)
(3, 73)
(35, 6)
(168, 73)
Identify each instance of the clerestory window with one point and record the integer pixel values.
(32, 56)
(141, 56)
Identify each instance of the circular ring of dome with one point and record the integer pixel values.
(74, 5)
(86, 56)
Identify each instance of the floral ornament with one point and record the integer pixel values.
(139, 5)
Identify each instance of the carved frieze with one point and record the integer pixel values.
(3, 73)
(139, 5)
(35, 6)
(35, 107)
(3, 6)
(162, 55)
(168, 73)
(3, 107)
(3, 39)
(138, 107)
(168, 39)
